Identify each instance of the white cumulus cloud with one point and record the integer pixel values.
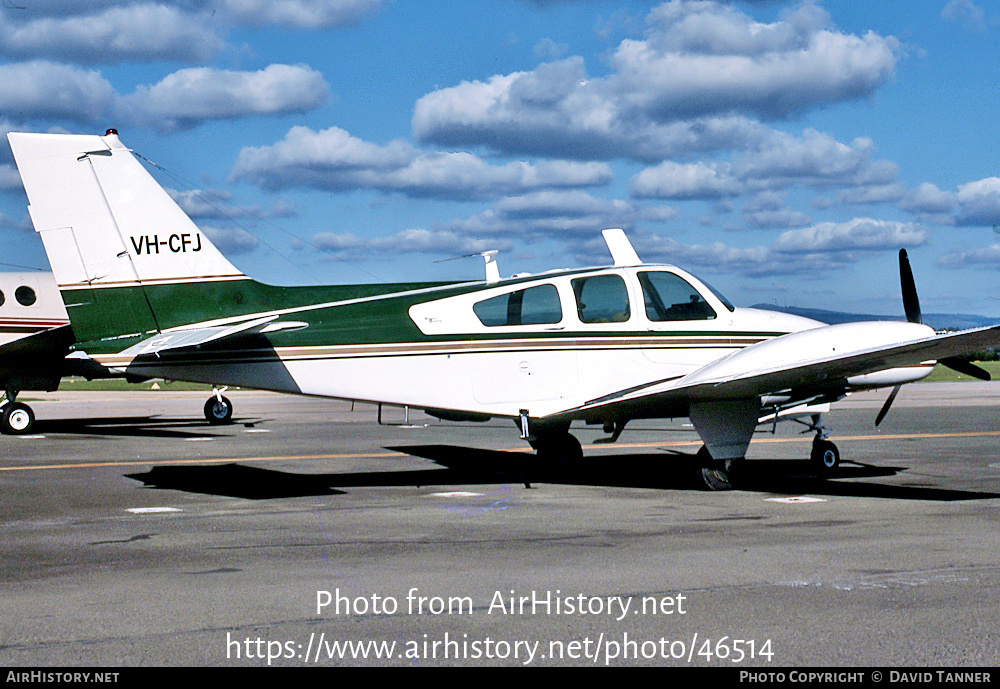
(189, 96)
(701, 61)
(332, 159)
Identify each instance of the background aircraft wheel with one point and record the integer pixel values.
(17, 418)
(825, 456)
(713, 474)
(218, 410)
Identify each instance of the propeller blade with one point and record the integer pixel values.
(911, 304)
(888, 403)
(966, 367)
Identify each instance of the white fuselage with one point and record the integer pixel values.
(552, 343)
(467, 364)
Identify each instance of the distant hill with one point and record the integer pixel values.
(938, 321)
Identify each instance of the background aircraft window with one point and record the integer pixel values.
(25, 295)
(669, 297)
(601, 299)
(2, 299)
(532, 306)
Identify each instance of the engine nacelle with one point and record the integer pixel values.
(891, 377)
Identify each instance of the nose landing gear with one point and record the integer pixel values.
(825, 457)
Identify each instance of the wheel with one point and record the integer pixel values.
(218, 410)
(17, 418)
(713, 474)
(559, 450)
(825, 456)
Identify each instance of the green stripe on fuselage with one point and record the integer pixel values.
(110, 319)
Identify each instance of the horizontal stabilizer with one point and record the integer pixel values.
(196, 337)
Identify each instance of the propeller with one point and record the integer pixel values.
(911, 305)
(888, 403)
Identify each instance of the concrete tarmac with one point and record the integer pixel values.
(135, 534)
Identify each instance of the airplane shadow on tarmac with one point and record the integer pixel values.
(470, 466)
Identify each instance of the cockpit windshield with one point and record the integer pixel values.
(669, 297)
(718, 295)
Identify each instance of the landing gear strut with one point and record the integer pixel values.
(218, 409)
(16, 418)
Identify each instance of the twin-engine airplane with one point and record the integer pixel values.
(148, 295)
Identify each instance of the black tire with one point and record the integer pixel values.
(558, 450)
(713, 474)
(825, 457)
(17, 419)
(218, 410)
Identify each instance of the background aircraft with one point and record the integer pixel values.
(35, 338)
(148, 295)
(35, 341)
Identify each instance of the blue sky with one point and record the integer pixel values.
(782, 151)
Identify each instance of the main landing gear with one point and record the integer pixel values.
(714, 474)
(555, 447)
(218, 409)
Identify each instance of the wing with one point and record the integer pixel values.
(723, 399)
(810, 363)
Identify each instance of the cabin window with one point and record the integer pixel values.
(533, 306)
(601, 299)
(669, 297)
(2, 298)
(25, 295)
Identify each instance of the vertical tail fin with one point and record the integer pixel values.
(109, 229)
